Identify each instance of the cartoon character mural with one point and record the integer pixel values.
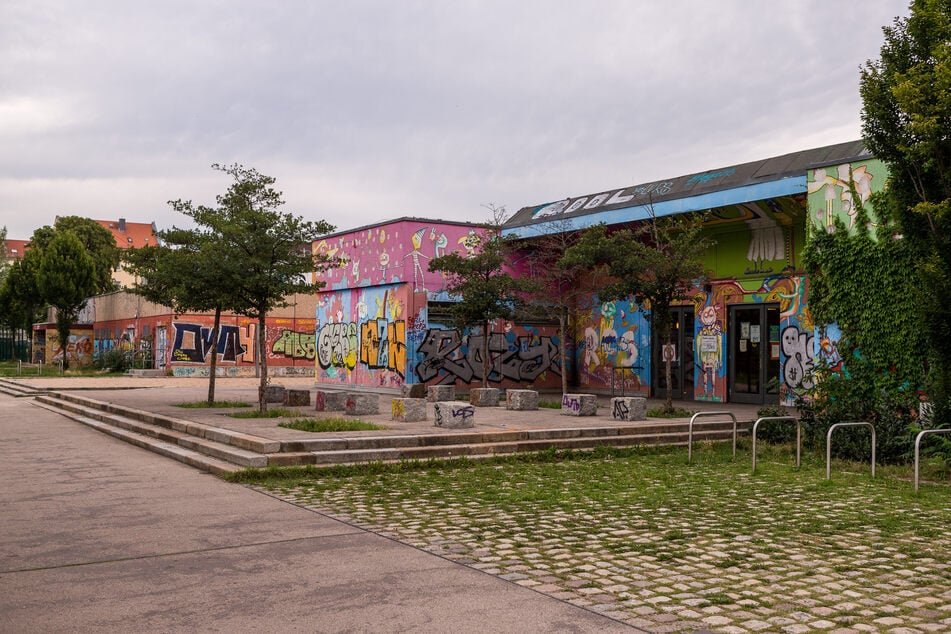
(602, 350)
(710, 354)
(831, 193)
(393, 253)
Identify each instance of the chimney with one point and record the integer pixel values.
(122, 225)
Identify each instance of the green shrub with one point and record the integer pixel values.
(114, 360)
(861, 394)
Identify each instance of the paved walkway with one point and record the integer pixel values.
(96, 535)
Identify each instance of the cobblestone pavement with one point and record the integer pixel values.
(786, 554)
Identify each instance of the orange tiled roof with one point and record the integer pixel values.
(130, 234)
(15, 248)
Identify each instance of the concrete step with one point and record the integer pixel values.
(219, 450)
(155, 433)
(18, 390)
(241, 440)
(169, 450)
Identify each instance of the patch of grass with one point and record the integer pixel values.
(216, 404)
(277, 412)
(329, 425)
(676, 412)
(550, 404)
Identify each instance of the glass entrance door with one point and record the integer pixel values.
(680, 352)
(754, 354)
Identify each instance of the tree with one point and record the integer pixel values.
(20, 302)
(66, 279)
(559, 281)
(189, 272)
(273, 248)
(657, 262)
(98, 242)
(906, 115)
(486, 290)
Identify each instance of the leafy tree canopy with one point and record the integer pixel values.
(906, 115)
(98, 242)
(65, 278)
(657, 262)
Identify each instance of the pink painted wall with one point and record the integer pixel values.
(394, 252)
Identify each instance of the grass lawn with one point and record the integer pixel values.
(646, 538)
(329, 425)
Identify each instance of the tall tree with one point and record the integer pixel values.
(486, 289)
(906, 115)
(20, 302)
(188, 271)
(658, 262)
(66, 278)
(559, 289)
(98, 242)
(273, 248)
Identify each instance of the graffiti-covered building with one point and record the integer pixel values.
(182, 344)
(746, 334)
(382, 318)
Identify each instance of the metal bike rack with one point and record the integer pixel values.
(918, 448)
(690, 430)
(829, 445)
(798, 436)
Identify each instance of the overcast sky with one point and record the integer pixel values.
(366, 111)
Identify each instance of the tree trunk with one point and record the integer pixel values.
(486, 362)
(669, 402)
(214, 357)
(562, 328)
(262, 355)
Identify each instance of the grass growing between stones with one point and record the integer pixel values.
(329, 424)
(641, 535)
(677, 412)
(215, 404)
(550, 404)
(277, 412)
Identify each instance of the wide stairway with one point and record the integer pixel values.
(220, 450)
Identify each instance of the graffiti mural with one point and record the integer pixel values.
(362, 336)
(447, 356)
(337, 345)
(296, 345)
(383, 344)
(797, 361)
(615, 335)
(396, 253)
(193, 343)
(78, 349)
(711, 354)
(830, 192)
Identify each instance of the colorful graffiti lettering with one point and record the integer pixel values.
(383, 345)
(458, 357)
(337, 345)
(296, 345)
(193, 343)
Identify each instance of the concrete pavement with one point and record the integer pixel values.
(97, 535)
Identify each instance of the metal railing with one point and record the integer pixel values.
(829, 445)
(918, 448)
(619, 383)
(705, 414)
(798, 436)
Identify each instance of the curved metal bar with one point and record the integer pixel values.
(798, 436)
(918, 448)
(704, 414)
(829, 445)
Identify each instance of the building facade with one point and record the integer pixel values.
(746, 333)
